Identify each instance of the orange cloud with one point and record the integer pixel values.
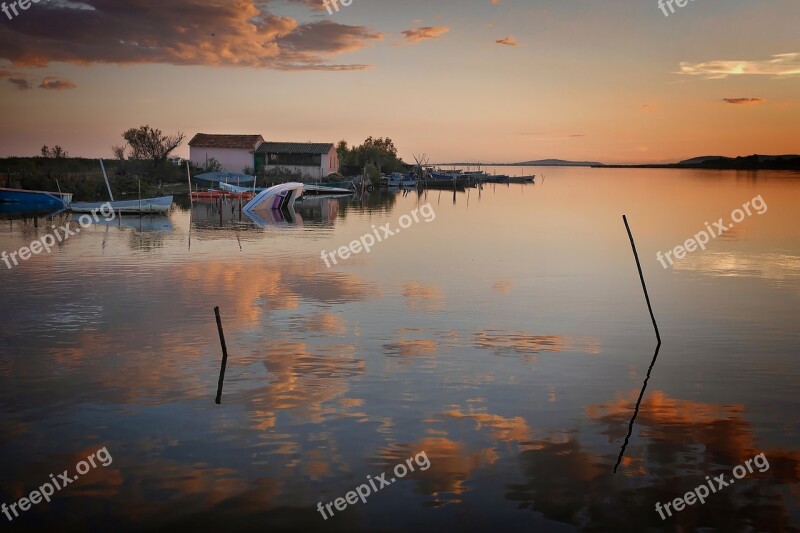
(503, 287)
(422, 297)
(425, 33)
(20, 83)
(508, 41)
(744, 101)
(207, 33)
(55, 84)
(504, 429)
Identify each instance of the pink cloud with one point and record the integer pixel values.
(425, 33)
(508, 41)
(55, 84)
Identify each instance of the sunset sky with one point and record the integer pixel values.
(470, 80)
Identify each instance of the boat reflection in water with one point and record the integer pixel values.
(274, 217)
(140, 223)
(226, 214)
(222, 213)
(320, 209)
(21, 211)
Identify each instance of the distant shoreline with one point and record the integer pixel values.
(531, 164)
(724, 164)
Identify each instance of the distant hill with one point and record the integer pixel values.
(558, 163)
(751, 162)
(719, 159)
(718, 162)
(702, 159)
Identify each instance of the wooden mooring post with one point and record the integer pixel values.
(224, 356)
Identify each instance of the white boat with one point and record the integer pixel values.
(227, 187)
(308, 188)
(396, 179)
(324, 189)
(145, 206)
(141, 206)
(280, 196)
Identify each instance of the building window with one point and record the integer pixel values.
(302, 160)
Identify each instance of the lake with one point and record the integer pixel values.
(495, 348)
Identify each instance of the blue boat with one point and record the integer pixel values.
(35, 200)
(396, 179)
(445, 176)
(215, 178)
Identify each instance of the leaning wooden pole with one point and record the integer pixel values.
(641, 277)
(189, 177)
(224, 356)
(105, 177)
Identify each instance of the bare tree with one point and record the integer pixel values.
(150, 144)
(56, 152)
(119, 151)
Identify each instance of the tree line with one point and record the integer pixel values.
(379, 153)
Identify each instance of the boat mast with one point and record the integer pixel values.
(105, 177)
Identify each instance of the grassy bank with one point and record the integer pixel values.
(84, 179)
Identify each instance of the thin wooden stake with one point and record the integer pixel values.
(224, 356)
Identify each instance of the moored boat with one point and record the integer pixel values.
(145, 206)
(216, 178)
(324, 189)
(443, 184)
(234, 189)
(36, 200)
(280, 196)
(213, 194)
(396, 179)
(496, 178)
(522, 179)
(349, 184)
(140, 206)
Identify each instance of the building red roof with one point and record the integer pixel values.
(239, 142)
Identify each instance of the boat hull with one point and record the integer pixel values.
(442, 184)
(216, 178)
(37, 200)
(350, 185)
(226, 188)
(324, 189)
(278, 197)
(145, 206)
(403, 183)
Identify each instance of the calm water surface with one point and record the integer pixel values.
(507, 339)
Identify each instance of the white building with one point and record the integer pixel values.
(234, 152)
(313, 160)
